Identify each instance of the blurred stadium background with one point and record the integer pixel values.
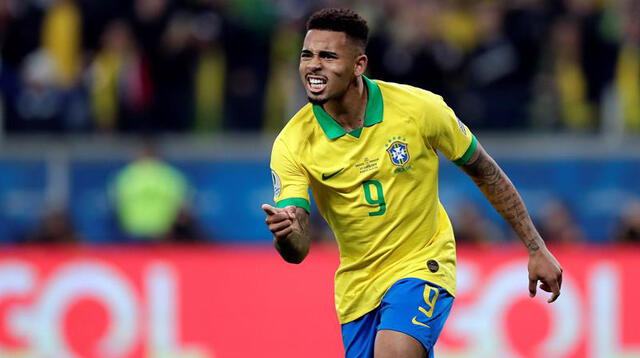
(134, 147)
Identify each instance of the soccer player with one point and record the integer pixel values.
(368, 151)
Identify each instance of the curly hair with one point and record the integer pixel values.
(341, 20)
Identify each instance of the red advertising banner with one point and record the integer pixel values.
(197, 302)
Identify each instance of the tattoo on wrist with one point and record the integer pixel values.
(533, 246)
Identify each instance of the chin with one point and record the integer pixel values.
(317, 100)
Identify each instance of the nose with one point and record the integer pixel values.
(314, 64)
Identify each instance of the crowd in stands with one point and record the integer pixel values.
(211, 66)
(179, 66)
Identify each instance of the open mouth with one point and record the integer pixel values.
(316, 84)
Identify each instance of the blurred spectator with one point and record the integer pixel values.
(120, 86)
(498, 93)
(628, 229)
(185, 229)
(42, 104)
(628, 67)
(96, 16)
(56, 228)
(470, 226)
(47, 95)
(600, 44)
(557, 224)
(20, 23)
(562, 87)
(284, 92)
(19, 36)
(166, 37)
(247, 45)
(416, 55)
(210, 73)
(149, 197)
(61, 39)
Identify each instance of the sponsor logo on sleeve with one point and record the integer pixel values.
(277, 185)
(462, 126)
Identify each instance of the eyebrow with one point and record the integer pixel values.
(321, 53)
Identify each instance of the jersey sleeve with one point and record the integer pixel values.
(290, 184)
(446, 133)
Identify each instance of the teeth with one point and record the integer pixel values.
(316, 81)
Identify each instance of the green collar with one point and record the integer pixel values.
(373, 113)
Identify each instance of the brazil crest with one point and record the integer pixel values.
(398, 153)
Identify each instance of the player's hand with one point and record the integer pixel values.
(281, 221)
(545, 268)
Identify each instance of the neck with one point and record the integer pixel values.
(349, 110)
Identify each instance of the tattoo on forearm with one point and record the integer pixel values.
(532, 245)
(499, 190)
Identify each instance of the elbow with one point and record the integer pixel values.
(292, 256)
(294, 260)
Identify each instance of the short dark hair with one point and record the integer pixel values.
(341, 20)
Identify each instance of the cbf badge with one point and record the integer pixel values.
(398, 151)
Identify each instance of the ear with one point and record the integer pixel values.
(361, 65)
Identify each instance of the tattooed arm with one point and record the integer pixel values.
(290, 234)
(498, 189)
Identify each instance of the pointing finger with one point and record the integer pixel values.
(270, 210)
(532, 287)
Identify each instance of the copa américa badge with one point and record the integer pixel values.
(277, 185)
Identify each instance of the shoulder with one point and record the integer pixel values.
(409, 97)
(299, 127)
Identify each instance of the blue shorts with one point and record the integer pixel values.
(412, 306)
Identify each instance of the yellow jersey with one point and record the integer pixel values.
(377, 188)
